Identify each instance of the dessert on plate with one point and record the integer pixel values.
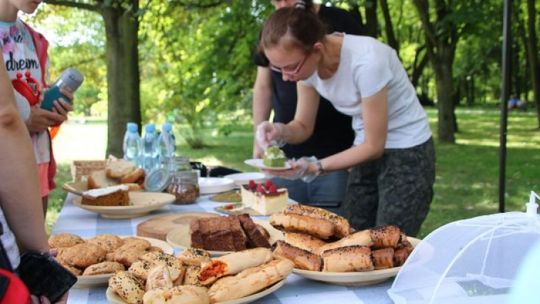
(274, 157)
(264, 198)
(108, 196)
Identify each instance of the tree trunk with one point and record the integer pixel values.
(372, 25)
(389, 27)
(445, 101)
(123, 81)
(533, 55)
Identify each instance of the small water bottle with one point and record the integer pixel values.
(150, 151)
(166, 144)
(132, 145)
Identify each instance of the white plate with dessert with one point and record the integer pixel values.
(210, 185)
(258, 163)
(360, 278)
(116, 202)
(181, 237)
(244, 178)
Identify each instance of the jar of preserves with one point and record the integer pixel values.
(185, 186)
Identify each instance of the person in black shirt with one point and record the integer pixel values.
(332, 133)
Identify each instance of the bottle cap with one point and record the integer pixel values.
(150, 128)
(132, 127)
(157, 180)
(167, 127)
(70, 79)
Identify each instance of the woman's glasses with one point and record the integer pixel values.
(292, 70)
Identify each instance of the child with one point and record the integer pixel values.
(24, 52)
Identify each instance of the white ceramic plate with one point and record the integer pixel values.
(181, 238)
(112, 297)
(88, 281)
(244, 178)
(258, 163)
(353, 278)
(209, 185)
(141, 203)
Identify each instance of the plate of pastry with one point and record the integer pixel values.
(246, 276)
(225, 234)
(335, 270)
(95, 260)
(259, 163)
(117, 203)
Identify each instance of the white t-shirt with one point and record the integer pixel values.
(19, 55)
(367, 66)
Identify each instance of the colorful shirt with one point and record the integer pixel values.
(19, 54)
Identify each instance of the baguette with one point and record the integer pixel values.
(233, 263)
(250, 281)
(385, 236)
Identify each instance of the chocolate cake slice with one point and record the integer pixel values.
(255, 237)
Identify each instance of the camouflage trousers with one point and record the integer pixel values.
(394, 189)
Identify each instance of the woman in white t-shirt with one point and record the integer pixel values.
(393, 158)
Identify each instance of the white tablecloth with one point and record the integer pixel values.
(296, 289)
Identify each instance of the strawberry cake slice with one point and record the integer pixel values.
(264, 198)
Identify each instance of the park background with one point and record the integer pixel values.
(190, 62)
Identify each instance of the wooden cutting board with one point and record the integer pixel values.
(158, 227)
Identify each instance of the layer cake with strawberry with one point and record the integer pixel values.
(264, 198)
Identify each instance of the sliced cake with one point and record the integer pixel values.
(264, 199)
(274, 157)
(108, 196)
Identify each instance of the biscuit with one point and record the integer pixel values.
(61, 240)
(108, 242)
(103, 268)
(135, 242)
(74, 270)
(141, 268)
(194, 256)
(176, 269)
(82, 255)
(127, 286)
(159, 277)
(128, 256)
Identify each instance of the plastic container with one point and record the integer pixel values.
(150, 151)
(166, 143)
(175, 177)
(469, 261)
(132, 145)
(185, 187)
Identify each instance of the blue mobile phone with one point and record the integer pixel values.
(52, 94)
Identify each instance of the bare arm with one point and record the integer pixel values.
(375, 117)
(301, 127)
(262, 102)
(19, 189)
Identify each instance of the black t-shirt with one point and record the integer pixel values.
(333, 131)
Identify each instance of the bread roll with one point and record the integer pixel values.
(133, 177)
(159, 277)
(347, 259)
(360, 238)
(127, 286)
(233, 263)
(342, 227)
(119, 168)
(302, 259)
(385, 236)
(250, 281)
(383, 258)
(320, 228)
(304, 241)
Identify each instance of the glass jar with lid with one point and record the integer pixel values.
(175, 177)
(184, 182)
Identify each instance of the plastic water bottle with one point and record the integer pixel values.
(150, 151)
(166, 144)
(132, 144)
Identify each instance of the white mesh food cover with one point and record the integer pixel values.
(468, 261)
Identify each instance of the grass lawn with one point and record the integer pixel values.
(467, 172)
